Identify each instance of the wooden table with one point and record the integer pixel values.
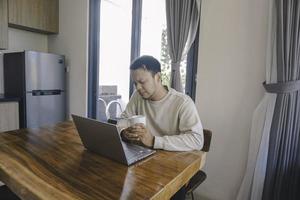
(51, 163)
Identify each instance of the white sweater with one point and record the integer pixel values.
(173, 121)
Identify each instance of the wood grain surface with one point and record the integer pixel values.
(34, 15)
(51, 163)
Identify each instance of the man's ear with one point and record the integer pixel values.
(158, 76)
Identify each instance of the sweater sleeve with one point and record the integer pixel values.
(190, 136)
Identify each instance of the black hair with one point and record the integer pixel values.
(147, 62)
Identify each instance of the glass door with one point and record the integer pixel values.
(114, 57)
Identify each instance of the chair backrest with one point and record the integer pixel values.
(207, 139)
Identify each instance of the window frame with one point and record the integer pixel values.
(93, 57)
(136, 22)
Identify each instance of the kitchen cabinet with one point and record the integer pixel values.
(34, 15)
(9, 116)
(3, 25)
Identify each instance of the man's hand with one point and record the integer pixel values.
(138, 134)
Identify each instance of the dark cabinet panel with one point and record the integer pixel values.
(3, 25)
(34, 15)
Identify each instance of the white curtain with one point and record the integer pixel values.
(253, 181)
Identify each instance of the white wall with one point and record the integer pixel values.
(19, 40)
(72, 41)
(231, 68)
(25, 40)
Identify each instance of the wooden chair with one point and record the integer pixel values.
(200, 176)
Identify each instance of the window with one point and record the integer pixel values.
(114, 55)
(122, 30)
(154, 38)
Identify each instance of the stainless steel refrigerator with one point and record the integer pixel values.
(38, 80)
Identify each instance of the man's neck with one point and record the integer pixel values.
(159, 94)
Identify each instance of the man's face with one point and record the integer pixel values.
(145, 83)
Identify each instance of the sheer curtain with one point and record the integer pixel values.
(253, 181)
(182, 23)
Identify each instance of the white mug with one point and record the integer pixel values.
(136, 119)
(127, 122)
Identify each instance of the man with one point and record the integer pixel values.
(172, 121)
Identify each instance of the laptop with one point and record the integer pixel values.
(105, 140)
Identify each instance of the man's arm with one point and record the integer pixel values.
(184, 142)
(190, 136)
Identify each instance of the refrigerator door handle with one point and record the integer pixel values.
(45, 92)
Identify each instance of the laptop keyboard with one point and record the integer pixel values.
(135, 152)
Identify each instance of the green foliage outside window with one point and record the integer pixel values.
(165, 61)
